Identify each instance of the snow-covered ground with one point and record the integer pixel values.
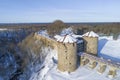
(82, 73)
(3, 29)
(107, 46)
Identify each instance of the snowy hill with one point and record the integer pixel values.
(108, 48)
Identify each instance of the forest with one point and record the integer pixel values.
(79, 28)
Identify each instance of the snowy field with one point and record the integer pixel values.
(3, 29)
(82, 73)
(108, 49)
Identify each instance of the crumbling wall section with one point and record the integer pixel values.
(47, 41)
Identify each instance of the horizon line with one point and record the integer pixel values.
(53, 21)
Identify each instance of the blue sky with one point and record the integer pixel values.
(22, 11)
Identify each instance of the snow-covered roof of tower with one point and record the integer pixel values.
(91, 34)
(67, 31)
(66, 39)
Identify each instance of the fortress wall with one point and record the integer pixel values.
(91, 44)
(47, 41)
(102, 64)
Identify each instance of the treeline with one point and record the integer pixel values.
(27, 26)
(79, 28)
(101, 28)
(106, 28)
(110, 29)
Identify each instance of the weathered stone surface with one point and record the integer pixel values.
(102, 68)
(67, 56)
(91, 44)
(83, 61)
(92, 64)
(112, 72)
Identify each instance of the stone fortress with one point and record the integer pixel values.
(68, 54)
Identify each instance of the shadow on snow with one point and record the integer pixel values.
(101, 45)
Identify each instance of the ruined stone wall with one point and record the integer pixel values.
(67, 57)
(103, 65)
(91, 45)
(47, 41)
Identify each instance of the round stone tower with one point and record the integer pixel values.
(91, 42)
(67, 53)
